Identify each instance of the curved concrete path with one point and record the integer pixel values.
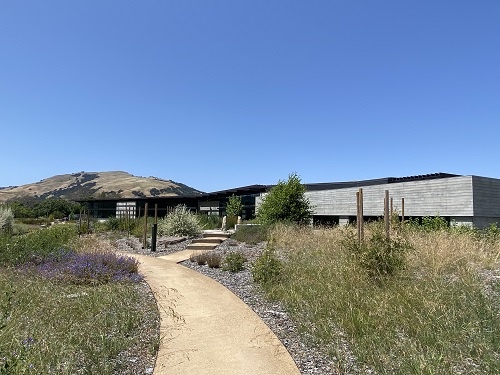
(206, 329)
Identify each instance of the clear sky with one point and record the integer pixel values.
(218, 94)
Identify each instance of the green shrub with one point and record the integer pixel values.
(35, 245)
(429, 223)
(251, 234)
(267, 268)
(379, 255)
(285, 202)
(180, 222)
(234, 262)
(34, 221)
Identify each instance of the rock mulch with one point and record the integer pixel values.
(309, 359)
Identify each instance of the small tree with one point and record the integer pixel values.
(285, 202)
(234, 206)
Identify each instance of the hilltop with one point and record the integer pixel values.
(97, 185)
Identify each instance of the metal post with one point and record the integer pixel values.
(145, 239)
(154, 229)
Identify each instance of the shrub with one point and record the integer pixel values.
(180, 222)
(88, 268)
(285, 202)
(6, 219)
(267, 268)
(379, 255)
(251, 234)
(429, 223)
(234, 262)
(214, 260)
(201, 259)
(35, 245)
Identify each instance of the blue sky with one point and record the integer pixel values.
(220, 94)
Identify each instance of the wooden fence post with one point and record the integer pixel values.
(386, 214)
(358, 223)
(361, 214)
(402, 211)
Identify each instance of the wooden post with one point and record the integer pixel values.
(80, 223)
(145, 238)
(386, 214)
(88, 221)
(358, 223)
(156, 213)
(127, 211)
(361, 214)
(392, 210)
(402, 211)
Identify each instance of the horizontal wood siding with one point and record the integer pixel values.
(445, 197)
(486, 197)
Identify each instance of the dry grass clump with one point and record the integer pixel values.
(437, 314)
(444, 252)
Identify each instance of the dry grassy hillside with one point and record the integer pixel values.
(97, 185)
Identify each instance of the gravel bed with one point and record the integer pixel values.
(309, 359)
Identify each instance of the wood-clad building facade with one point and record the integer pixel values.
(469, 200)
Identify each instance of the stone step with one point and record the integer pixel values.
(215, 240)
(201, 246)
(218, 234)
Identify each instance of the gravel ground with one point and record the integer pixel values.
(309, 359)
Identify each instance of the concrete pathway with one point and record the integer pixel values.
(206, 329)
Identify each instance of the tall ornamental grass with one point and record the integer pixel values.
(439, 314)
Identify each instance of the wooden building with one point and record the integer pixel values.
(467, 200)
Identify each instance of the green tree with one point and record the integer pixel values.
(56, 207)
(21, 210)
(234, 206)
(285, 202)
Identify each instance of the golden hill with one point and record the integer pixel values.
(98, 185)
